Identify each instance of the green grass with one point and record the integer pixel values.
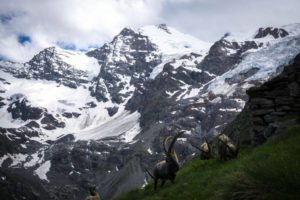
(268, 172)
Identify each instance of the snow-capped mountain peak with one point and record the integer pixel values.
(171, 42)
(74, 59)
(164, 28)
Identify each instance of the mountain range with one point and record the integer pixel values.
(71, 119)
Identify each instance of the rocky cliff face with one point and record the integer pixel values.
(275, 101)
(270, 31)
(126, 62)
(271, 108)
(224, 54)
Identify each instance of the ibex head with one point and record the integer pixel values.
(94, 195)
(170, 153)
(166, 169)
(227, 149)
(205, 150)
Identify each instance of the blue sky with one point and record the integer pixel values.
(28, 26)
(24, 39)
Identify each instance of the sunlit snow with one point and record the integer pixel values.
(42, 170)
(79, 61)
(173, 44)
(267, 60)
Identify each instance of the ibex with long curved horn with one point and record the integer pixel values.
(227, 149)
(167, 169)
(205, 150)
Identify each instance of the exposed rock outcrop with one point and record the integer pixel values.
(275, 32)
(224, 54)
(274, 101)
(22, 109)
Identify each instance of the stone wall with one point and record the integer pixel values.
(274, 101)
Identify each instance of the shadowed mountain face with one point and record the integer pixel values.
(72, 119)
(274, 101)
(272, 108)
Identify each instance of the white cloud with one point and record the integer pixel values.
(210, 19)
(93, 22)
(82, 23)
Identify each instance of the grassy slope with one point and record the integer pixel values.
(271, 171)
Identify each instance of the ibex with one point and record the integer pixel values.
(205, 150)
(94, 195)
(227, 149)
(167, 168)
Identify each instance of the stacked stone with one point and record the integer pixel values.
(274, 100)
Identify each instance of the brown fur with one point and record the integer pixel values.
(205, 149)
(227, 149)
(95, 197)
(166, 169)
